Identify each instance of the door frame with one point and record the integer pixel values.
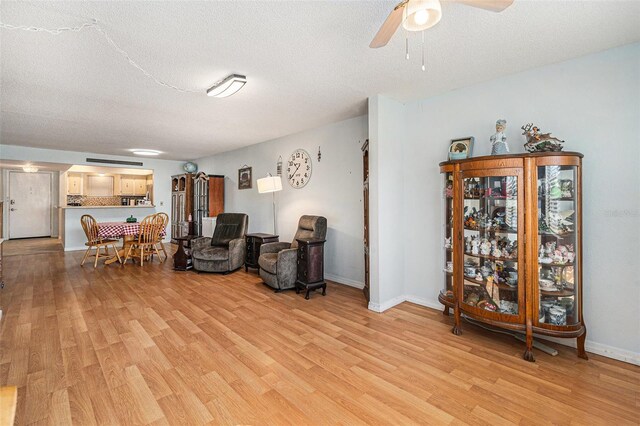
(7, 192)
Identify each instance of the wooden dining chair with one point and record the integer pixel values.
(90, 228)
(163, 221)
(145, 244)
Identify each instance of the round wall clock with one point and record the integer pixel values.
(299, 168)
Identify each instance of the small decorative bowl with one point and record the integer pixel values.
(545, 283)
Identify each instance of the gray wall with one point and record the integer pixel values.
(592, 103)
(334, 191)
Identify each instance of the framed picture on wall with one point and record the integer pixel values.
(244, 177)
(460, 149)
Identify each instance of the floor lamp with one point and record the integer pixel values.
(271, 184)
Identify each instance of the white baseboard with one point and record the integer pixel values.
(381, 307)
(590, 346)
(434, 304)
(67, 248)
(346, 281)
(613, 352)
(598, 349)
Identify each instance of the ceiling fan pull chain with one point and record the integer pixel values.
(423, 68)
(406, 43)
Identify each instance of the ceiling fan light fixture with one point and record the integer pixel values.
(228, 86)
(420, 15)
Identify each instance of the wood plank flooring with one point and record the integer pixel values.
(147, 345)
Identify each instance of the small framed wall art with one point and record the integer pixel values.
(460, 149)
(244, 177)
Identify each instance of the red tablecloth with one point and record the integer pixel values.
(119, 229)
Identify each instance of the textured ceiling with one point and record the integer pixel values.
(308, 64)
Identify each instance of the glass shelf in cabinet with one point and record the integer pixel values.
(557, 293)
(555, 234)
(484, 283)
(484, 256)
(491, 197)
(556, 265)
(500, 231)
(543, 198)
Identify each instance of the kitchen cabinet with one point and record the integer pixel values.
(74, 184)
(513, 244)
(140, 185)
(100, 186)
(133, 185)
(127, 185)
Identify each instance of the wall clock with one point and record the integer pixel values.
(299, 168)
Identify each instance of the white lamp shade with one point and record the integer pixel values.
(421, 14)
(269, 184)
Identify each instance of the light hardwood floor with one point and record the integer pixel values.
(147, 345)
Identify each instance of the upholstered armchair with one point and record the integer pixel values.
(278, 261)
(226, 250)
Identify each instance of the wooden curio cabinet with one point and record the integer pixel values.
(513, 244)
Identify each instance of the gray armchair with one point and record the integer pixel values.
(278, 261)
(226, 250)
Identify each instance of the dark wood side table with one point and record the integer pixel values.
(254, 241)
(182, 259)
(310, 266)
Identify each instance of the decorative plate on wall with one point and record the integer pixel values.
(299, 168)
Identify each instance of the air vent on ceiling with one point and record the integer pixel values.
(119, 162)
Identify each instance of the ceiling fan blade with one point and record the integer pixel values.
(389, 27)
(492, 5)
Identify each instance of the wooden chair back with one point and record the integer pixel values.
(90, 228)
(164, 221)
(148, 230)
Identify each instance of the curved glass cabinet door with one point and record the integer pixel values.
(558, 246)
(447, 291)
(491, 226)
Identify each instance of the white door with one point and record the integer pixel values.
(29, 205)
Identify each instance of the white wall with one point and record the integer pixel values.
(592, 103)
(334, 191)
(162, 169)
(387, 129)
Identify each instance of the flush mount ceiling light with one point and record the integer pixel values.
(146, 152)
(228, 86)
(30, 169)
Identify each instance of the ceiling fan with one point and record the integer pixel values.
(419, 15)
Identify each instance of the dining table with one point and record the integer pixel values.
(128, 231)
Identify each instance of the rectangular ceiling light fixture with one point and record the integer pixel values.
(227, 86)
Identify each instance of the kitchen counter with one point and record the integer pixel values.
(108, 207)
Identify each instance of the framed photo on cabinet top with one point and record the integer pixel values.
(460, 149)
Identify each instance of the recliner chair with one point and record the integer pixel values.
(226, 250)
(278, 261)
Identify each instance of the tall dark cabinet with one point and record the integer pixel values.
(198, 196)
(181, 205)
